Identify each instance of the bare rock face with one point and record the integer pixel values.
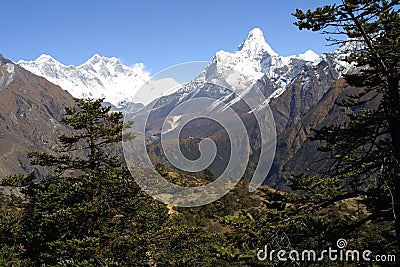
(30, 110)
(307, 103)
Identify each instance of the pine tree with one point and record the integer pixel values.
(364, 152)
(95, 130)
(87, 209)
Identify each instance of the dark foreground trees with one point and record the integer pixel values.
(363, 153)
(87, 210)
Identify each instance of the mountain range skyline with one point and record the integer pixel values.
(159, 34)
(308, 53)
(281, 78)
(107, 77)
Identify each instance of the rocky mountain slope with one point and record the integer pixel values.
(30, 109)
(300, 90)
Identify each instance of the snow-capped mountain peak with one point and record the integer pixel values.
(309, 55)
(45, 58)
(254, 59)
(98, 77)
(97, 59)
(255, 43)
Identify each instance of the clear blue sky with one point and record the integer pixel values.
(157, 33)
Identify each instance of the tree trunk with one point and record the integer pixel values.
(394, 128)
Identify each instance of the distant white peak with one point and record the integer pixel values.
(255, 42)
(45, 58)
(96, 58)
(351, 45)
(114, 60)
(309, 55)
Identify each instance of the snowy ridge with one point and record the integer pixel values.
(254, 60)
(96, 78)
(352, 45)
